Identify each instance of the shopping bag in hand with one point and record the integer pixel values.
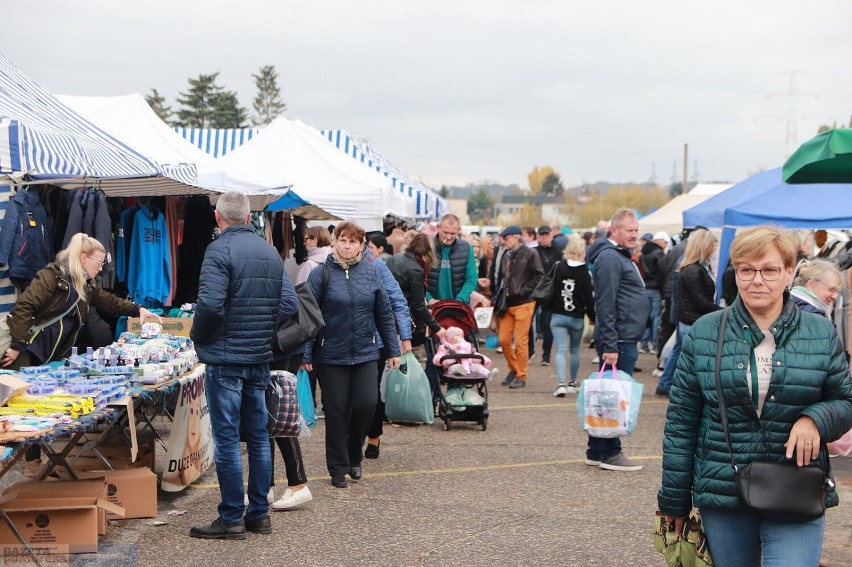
(282, 405)
(306, 398)
(608, 403)
(409, 396)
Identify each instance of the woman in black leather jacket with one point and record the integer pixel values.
(696, 285)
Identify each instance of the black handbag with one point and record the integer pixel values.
(779, 491)
(543, 291)
(500, 301)
(307, 323)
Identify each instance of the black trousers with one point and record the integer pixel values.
(349, 400)
(377, 423)
(666, 329)
(291, 450)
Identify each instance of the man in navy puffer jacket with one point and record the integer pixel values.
(237, 313)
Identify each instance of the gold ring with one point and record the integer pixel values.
(807, 442)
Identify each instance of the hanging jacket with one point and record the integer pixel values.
(149, 275)
(810, 377)
(26, 243)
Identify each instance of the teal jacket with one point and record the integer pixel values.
(809, 377)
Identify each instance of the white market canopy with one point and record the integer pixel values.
(291, 151)
(669, 217)
(131, 120)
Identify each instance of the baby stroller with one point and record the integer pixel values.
(466, 398)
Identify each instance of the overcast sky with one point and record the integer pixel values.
(461, 91)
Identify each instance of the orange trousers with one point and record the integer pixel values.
(516, 322)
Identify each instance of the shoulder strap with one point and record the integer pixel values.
(324, 284)
(36, 328)
(722, 409)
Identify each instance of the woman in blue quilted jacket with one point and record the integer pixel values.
(786, 386)
(354, 306)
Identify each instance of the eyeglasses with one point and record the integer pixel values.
(769, 274)
(831, 289)
(98, 262)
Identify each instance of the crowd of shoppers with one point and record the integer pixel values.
(779, 349)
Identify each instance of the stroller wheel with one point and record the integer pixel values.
(446, 424)
(484, 423)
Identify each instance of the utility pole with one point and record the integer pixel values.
(685, 168)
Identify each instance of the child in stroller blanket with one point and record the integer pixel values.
(454, 342)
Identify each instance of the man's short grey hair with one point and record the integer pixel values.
(621, 214)
(233, 207)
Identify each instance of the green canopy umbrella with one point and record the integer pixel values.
(825, 158)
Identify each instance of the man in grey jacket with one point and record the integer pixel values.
(621, 313)
(240, 303)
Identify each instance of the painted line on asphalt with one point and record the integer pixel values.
(571, 405)
(456, 470)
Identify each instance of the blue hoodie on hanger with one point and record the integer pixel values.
(149, 266)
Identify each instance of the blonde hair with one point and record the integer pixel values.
(755, 242)
(575, 249)
(816, 270)
(802, 237)
(80, 244)
(699, 247)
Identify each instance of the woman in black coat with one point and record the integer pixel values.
(696, 286)
(410, 270)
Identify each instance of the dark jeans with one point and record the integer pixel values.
(349, 399)
(544, 317)
(601, 449)
(236, 397)
(433, 373)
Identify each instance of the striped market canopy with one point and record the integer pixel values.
(43, 136)
(217, 141)
(45, 139)
(428, 203)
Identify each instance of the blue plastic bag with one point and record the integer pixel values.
(608, 404)
(408, 397)
(306, 398)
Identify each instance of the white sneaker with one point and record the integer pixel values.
(560, 391)
(499, 349)
(269, 498)
(593, 463)
(596, 360)
(292, 499)
(656, 373)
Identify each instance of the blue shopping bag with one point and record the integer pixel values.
(608, 403)
(306, 398)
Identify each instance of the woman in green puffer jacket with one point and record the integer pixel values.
(799, 398)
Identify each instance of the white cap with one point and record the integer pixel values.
(662, 235)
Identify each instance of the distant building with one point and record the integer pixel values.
(551, 209)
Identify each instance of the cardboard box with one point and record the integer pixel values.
(172, 325)
(11, 387)
(135, 490)
(96, 487)
(117, 454)
(55, 525)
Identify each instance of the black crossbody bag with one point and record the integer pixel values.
(779, 491)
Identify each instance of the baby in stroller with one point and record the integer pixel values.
(454, 342)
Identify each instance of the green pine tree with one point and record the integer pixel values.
(227, 112)
(197, 103)
(267, 103)
(157, 103)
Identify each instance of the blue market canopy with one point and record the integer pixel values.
(42, 137)
(766, 199)
(428, 204)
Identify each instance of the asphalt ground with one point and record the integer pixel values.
(518, 494)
